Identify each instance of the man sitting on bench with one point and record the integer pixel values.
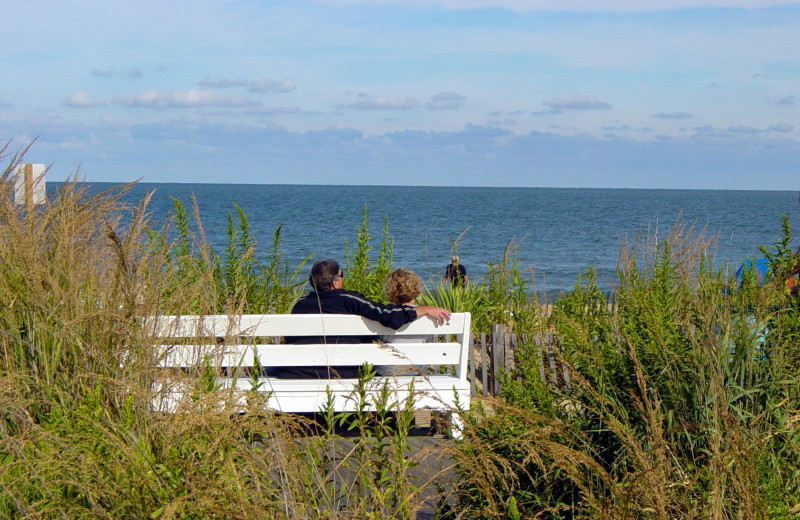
(328, 297)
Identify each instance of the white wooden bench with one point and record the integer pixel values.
(243, 350)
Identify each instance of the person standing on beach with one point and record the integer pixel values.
(456, 273)
(329, 297)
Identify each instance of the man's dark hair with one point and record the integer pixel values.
(323, 273)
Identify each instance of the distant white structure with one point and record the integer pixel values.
(30, 187)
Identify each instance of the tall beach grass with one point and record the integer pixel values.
(684, 403)
(78, 438)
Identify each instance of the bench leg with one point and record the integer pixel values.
(456, 426)
(422, 418)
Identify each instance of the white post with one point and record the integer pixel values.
(30, 187)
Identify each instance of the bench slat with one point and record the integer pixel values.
(257, 325)
(304, 395)
(402, 354)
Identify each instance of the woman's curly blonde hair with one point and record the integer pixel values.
(402, 286)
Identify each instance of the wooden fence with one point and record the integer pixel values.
(493, 354)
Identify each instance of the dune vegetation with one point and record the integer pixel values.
(682, 403)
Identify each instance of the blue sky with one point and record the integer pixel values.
(566, 93)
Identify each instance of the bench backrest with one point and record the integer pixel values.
(250, 339)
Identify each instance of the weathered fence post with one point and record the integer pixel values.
(539, 342)
(511, 347)
(498, 355)
(471, 361)
(504, 345)
(484, 366)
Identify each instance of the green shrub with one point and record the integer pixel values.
(362, 273)
(680, 404)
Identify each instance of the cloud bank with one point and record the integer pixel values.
(445, 101)
(183, 99)
(261, 85)
(574, 102)
(473, 156)
(385, 103)
(83, 100)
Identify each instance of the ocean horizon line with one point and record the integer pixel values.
(449, 186)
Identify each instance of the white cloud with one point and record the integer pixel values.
(260, 85)
(782, 127)
(788, 101)
(741, 129)
(83, 100)
(507, 121)
(183, 99)
(445, 101)
(268, 85)
(673, 115)
(576, 103)
(275, 111)
(550, 112)
(385, 103)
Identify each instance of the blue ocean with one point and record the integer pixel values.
(558, 233)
